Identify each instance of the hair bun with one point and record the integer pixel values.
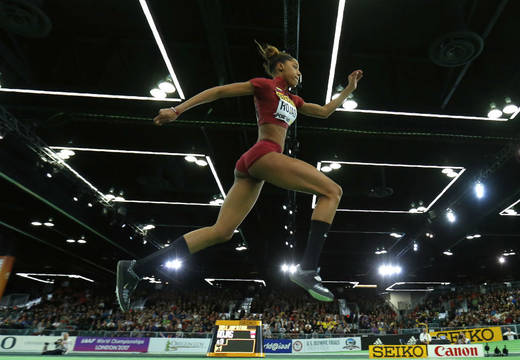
(270, 51)
(267, 51)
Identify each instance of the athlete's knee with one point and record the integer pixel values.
(333, 191)
(222, 234)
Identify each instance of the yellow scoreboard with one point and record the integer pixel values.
(237, 338)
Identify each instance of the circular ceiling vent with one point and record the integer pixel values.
(456, 48)
(23, 18)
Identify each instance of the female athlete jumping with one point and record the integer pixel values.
(276, 110)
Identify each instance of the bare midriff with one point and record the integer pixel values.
(273, 133)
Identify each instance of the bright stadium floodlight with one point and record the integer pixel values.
(174, 264)
(480, 190)
(450, 215)
(292, 268)
(285, 267)
(501, 260)
(389, 270)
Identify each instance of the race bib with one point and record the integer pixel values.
(286, 110)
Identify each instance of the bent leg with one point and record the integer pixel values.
(238, 203)
(293, 174)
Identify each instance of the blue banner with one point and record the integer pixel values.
(277, 346)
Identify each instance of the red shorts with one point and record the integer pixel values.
(256, 152)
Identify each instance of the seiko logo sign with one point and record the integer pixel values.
(397, 351)
(474, 335)
(277, 346)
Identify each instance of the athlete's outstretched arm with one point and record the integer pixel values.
(218, 92)
(326, 110)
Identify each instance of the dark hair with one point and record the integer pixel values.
(272, 56)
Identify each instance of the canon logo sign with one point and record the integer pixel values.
(453, 351)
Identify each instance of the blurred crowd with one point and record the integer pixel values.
(283, 314)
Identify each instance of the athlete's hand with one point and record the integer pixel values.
(166, 115)
(354, 78)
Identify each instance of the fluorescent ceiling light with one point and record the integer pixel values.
(510, 211)
(89, 95)
(120, 199)
(424, 209)
(427, 115)
(70, 276)
(391, 287)
(259, 281)
(335, 47)
(160, 44)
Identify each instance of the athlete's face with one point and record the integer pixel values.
(291, 72)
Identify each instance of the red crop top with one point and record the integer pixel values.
(274, 104)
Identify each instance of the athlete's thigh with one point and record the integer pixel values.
(239, 201)
(290, 173)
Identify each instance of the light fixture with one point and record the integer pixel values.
(289, 268)
(160, 45)
(190, 158)
(475, 236)
(75, 198)
(335, 165)
(65, 154)
(380, 252)
(241, 247)
(510, 108)
(158, 93)
(82, 241)
(217, 200)
(501, 259)
(71, 241)
(448, 252)
(49, 175)
(291, 246)
(49, 223)
(396, 235)
(326, 169)
(201, 162)
(109, 197)
(290, 212)
(430, 235)
(148, 227)
(284, 207)
(415, 246)
(167, 87)
(450, 215)
(335, 46)
(173, 264)
(89, 204)
(36, 223)
(350, 103)
(509, 253)
(480, 190)
(494, 113)
(389, 270)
